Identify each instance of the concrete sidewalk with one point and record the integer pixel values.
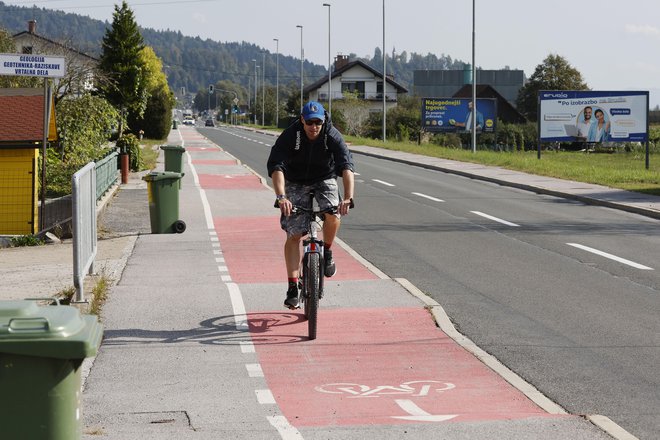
(183, 358)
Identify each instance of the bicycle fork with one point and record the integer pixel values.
(315, 246)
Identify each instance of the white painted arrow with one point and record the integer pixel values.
(417, 414)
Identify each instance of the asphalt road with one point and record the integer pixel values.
(564, 294)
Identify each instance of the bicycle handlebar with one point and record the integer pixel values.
(303, 209)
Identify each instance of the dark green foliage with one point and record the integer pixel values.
(157, 118)
(130, 144)
(26, 240)
(555, 73)
(120, 61)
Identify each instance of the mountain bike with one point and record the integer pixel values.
(312, 263)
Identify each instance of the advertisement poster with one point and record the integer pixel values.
(593, 116)
(455, 115)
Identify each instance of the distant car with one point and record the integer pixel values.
(209, 123)
(188, 121)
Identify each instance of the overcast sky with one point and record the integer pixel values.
(614, 44)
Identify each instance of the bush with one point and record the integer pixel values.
(130, 144)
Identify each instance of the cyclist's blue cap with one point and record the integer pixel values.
(313, 110)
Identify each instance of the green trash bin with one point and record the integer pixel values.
(163, 194)
(174, 158)
(175, 124)
(41, 353)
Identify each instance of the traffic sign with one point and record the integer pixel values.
(44, 66)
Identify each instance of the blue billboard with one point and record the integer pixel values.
(593, 116)
(455, 115)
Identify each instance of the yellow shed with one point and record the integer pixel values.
(21, 139)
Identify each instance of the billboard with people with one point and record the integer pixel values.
(455, 114)
(593, 116)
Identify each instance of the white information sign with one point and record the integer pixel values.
(44, 66)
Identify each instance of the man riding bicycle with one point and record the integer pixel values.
(307, 157)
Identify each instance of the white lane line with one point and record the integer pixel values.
(382, 182)
(284, 428)
(504, 222)
(265, 397)
(610, 256)
(428, 197)
(254, 370)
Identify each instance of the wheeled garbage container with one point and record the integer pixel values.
(173, 158)
(163, 194)
(42, 348)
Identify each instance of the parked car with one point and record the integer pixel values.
(188, 121)
(209, 123)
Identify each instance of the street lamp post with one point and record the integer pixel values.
(277, 82)
(302, 58)
(329, 65)
(255, 91)
(263, 89)
(384, 78)
(474, 87)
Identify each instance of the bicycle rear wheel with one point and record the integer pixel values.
(311, 277)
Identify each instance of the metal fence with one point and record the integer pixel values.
(83, 185)
(59, 211)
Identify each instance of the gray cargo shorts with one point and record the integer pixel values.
(326, 193)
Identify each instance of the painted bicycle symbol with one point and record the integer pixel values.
(415, 388)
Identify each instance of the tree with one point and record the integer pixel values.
(120, 60)
(555, 73)
(157, 118)
(355, 112)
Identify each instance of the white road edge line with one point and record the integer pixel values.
(610, 256)
(240, 316)
(284, 428)
(265, 397)
(428, 197)
(383, 182)
(445, 324)
(504, 222)
(205, 203)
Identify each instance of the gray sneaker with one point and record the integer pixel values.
(291, 300)
(329, 268)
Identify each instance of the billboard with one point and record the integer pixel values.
(455, 114)
(593, 116)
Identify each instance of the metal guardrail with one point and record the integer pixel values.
(84, 225)
(106, 173)
(58, 211)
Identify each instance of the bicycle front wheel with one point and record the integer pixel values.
(312, 280)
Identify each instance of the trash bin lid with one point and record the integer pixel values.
(58, 331)
(173, 147)
(162, 175)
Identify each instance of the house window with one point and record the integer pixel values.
(379, 87)
(353, 86)
(27, 49)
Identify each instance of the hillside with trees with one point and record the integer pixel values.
(193, 63)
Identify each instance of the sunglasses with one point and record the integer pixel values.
(316, 122)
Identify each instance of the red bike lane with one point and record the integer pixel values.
(370, 365)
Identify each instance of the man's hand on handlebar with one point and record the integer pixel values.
(345, 206)
(285, 206)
